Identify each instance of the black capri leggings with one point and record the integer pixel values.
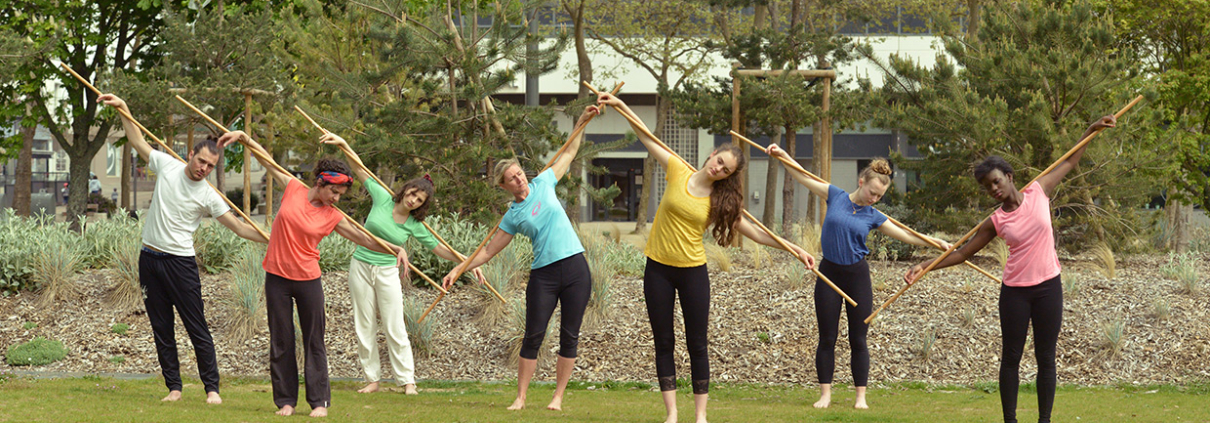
(661, 284)
(568, 281)
(853, 279)
(1041, 304)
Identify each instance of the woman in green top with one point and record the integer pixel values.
(374, 279)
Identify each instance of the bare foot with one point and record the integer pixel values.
(172, 396)
(824, 401)
(319, 412)
(518, 404)
(372, 387)
(860, 403)
(556, 404)
(410, 389)
(286, 410)
(671, 418)
(213, 398)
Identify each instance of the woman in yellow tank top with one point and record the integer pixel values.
(676, 257)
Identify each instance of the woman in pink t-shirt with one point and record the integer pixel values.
(1032, 291)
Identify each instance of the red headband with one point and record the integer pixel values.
(427, 178)
(336, 178)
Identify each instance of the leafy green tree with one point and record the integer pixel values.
(1024, 88)
(433, 85)
(666, 39)
(1172, 40)
(94, 38)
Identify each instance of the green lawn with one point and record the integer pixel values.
(98, 400)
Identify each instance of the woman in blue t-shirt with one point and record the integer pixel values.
(559, 273)
(849, 219)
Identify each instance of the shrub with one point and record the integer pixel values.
(420, 334)
(245, 298)
(101, 236)
(1105, 262)
(999, 249)
(969, 316)
(40, 351)
(21, 240)
(923, 347)
(604, 268)
(719, 256)
(335, 252)
(806, 235)
(515, 329)
(60, 258)
(1160, 310)
(500, 272)
(1071, 285)
(119, 328)
(463, 235)
(796, 276)
(237, 196)
(123, 252)
(1112, 337)
(213, 243)
(1183, 269)
(29, 326)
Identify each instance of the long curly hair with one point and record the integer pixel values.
(423, 184)
(727, 198)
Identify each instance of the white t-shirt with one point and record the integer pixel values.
(177, 206)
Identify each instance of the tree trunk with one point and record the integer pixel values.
(788, 185)
(814, 201)
(1178, 214)
(25, 163)
(974, 9)
(127, 169)
(584, 63)
(649, 191)
(770, 212)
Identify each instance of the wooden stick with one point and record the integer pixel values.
(168, 150)
(972, 232)
(749, 215)
(794, 165)
(352, 157)
(270, 162)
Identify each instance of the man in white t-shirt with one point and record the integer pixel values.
(167, 268)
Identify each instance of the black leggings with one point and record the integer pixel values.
(568, 281)
(1043, 305)
(661, 284)
(854, 280)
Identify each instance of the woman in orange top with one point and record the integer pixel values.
(292, 275)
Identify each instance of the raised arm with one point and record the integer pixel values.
(816, 187)
(658, 153)
(354, 159)
(563, 162)
(270, 167)
(1052, 179)
(133, 135)
(761, 237)
(987, 231)
(894, 231)
(241, 228)
(493, 247)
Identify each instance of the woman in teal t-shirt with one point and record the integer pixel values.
(374, 278)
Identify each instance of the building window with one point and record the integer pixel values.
(682, 140)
